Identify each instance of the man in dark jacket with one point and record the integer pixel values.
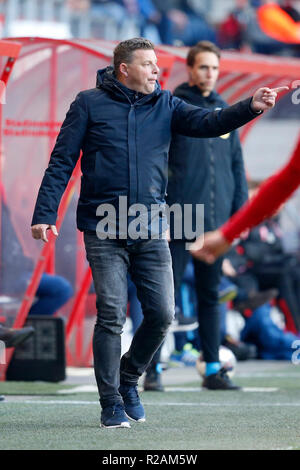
(210, 172)
(123, 127)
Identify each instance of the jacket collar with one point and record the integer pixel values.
(107, 80)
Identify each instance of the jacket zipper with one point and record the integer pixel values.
(132, 109)
(212, 208)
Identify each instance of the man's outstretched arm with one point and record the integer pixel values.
(193, 121)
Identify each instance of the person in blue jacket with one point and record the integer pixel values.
(123, 127)
(53, 290)
(218, 182)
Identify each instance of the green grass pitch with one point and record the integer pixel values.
(265, 415)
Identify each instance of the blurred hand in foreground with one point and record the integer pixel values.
(214, 245)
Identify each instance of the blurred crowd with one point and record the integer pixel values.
(262, 26)
(258, 25)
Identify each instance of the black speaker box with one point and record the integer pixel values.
(42, 356)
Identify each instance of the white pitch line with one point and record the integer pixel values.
(80, 371)
(61, 402)
(221, 405)
(244, 389)
(285, 448)
(79, 389)
(183, 389)
(93, 389)
(253, 375)
(260, 389)
(235, 405)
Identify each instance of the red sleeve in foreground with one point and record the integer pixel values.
(270, 196)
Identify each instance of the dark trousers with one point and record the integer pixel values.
(52, 293)
(149, 264)
(207, 279)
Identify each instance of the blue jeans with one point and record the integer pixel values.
(149, 264)
(272, 342)
(135, 308)
(52, 293)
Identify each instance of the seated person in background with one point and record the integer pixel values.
(279, 23)
(188, 344)
(52, 293)
(261, 336)
(260, 330)
(262, 265)
(16, 269)
(231, 30)
(228, 291)
(249, 296)
(271, 341)
(117, 10)
(266, 28)
(181, 21)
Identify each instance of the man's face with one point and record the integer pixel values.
(141, 72)
(205, 72)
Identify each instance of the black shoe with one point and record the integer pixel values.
(242, 351)
(2, 398)
(152, 382)
(219, 381)
(183, 323)
(255, 300)
(14, 337)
